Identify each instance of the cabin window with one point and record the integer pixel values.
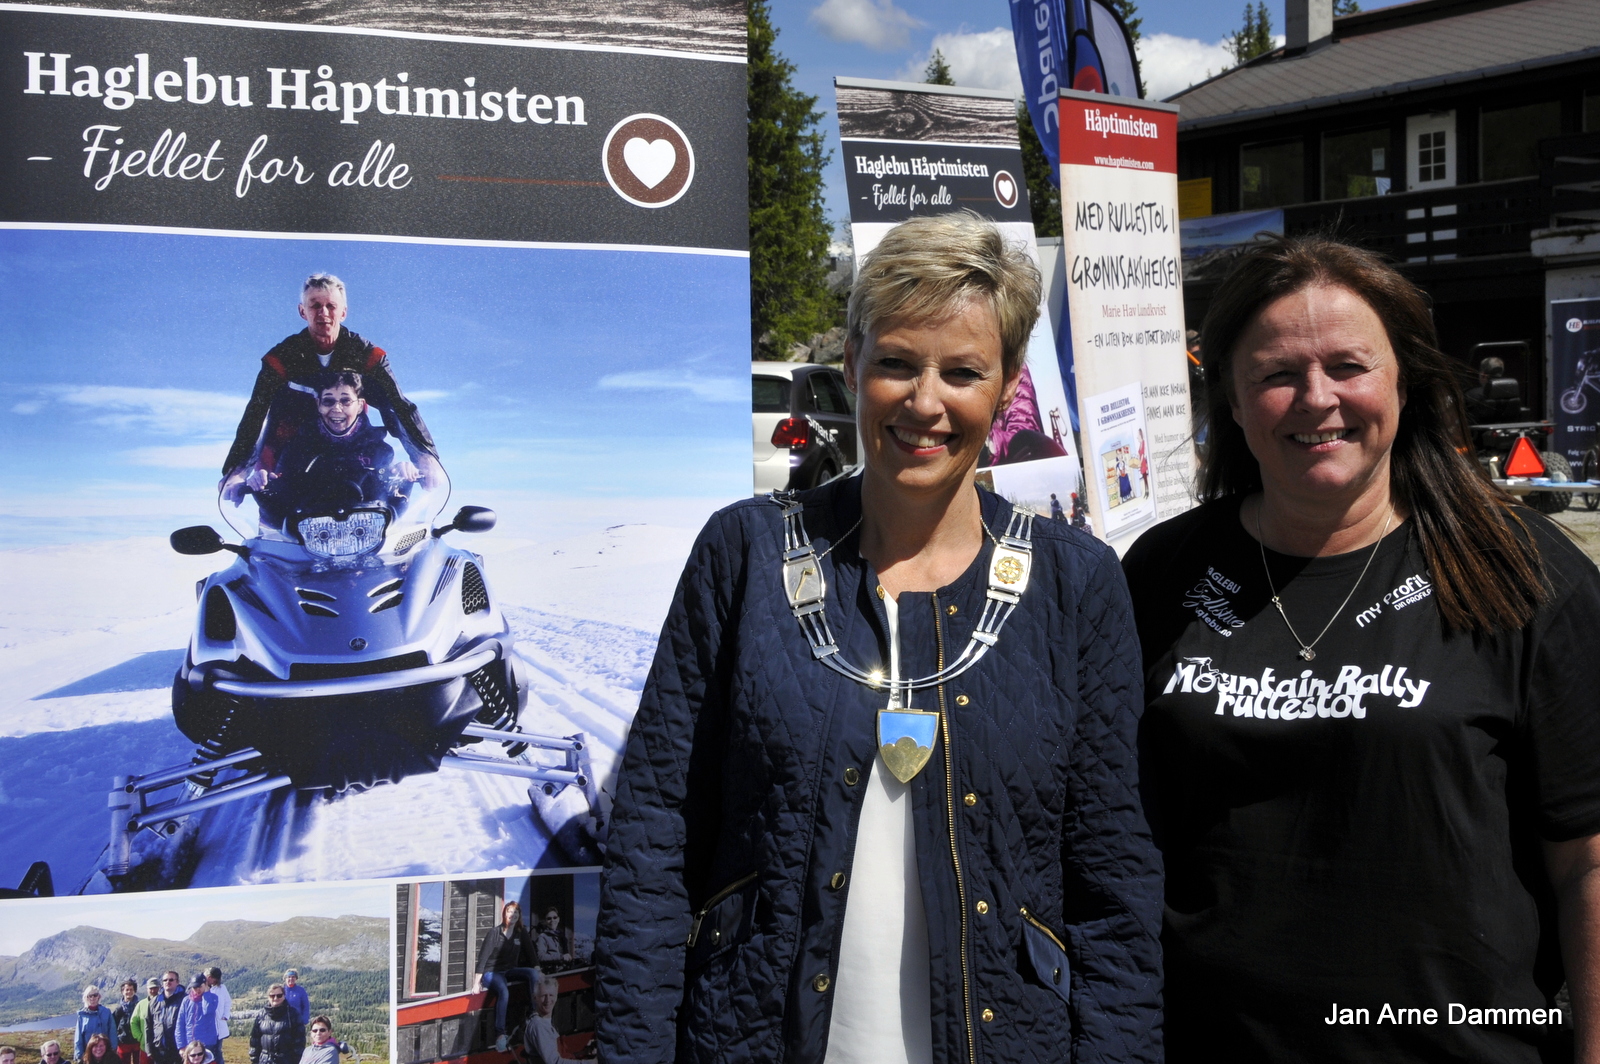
(1510, 138)
(1355, 164)
(428, 936)
(1272, 175)
(1591, 110)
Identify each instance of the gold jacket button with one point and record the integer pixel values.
(950, 609)
(851, 777)
(881, 592)
(837, 881)
(987, 1015)
(982, 907)
(821, 983)
(962, 700)
(970, 799)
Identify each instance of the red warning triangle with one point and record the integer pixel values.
(1524, 460)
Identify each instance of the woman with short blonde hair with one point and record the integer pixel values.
(879, 802)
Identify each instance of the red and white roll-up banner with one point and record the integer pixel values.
(1124, 301)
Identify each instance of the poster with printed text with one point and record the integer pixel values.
(912, 150)
(1117, 448)
(367, 376)
(1575, 378)
(1124, 295)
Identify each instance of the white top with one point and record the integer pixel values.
(224, 1009)
(881, 996)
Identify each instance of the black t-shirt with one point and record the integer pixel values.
(1359, 831)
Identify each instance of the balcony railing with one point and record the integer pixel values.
(1569, 178)
(1435, 225)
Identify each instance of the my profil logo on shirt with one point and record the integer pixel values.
(1271, 697)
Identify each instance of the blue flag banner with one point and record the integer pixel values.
(1039, 28)
(1082, 37)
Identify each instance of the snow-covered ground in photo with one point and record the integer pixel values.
(92, 632)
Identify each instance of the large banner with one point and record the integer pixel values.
(913, 149)
(1124, 306)
(1575, 379)
(261, 625)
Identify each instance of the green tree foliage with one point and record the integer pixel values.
(1254, 37)
(1345, 7)
(1043, 196)
(937, 72)
(789, 232)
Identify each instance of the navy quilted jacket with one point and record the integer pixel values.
(739, 795)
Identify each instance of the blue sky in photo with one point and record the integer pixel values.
(892, 40)
(175, 915)
(127, 359)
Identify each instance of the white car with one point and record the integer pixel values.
(804, 425)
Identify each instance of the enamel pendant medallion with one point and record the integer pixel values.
(905, 740)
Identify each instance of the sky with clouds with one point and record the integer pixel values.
(892, 39)
(571, 374)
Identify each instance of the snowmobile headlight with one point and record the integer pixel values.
(331, 536)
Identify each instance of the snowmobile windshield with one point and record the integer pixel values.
(336, 475)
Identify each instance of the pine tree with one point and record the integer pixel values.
(1043, 195)
(789, 231)
(1254, 37)
(937, 72)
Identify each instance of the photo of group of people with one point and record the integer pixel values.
(294, 975)
(496, 965)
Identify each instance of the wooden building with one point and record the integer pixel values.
(1440, 132)
(440, 926)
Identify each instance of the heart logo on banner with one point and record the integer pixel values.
(648, 160)
(1005, 189)
(651, 161)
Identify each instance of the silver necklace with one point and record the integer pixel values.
(905, 735)
(1305, 648)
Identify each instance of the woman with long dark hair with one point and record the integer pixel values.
(99, 1051)
(1371, 740)
(506, 954)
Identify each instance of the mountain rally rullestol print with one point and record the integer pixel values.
(1300, 697)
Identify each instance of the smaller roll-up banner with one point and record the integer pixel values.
(1575, 379)
(1124, 299)
(912, 149)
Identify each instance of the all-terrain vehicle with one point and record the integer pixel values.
(349, 644)
(1500, 418)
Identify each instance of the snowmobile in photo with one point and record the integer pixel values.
(349, 644)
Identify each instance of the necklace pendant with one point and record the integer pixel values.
(905, 740)
(1307, 653)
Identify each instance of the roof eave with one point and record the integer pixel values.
(1378, 92)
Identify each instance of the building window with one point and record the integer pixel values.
(1591, 111)
(1511, 136)
(428, 936)
(1431, 158)
(1355, 164)
(1272, 175)
(1430, 150)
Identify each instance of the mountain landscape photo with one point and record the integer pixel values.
(343, 963)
